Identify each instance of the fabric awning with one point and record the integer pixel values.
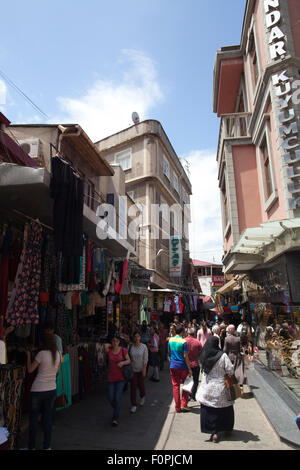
(227, 287)
(16, 153)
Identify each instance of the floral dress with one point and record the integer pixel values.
(23, 306)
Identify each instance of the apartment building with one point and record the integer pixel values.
(210, 276)
(257, 97)
(156, 181)
(27, 190)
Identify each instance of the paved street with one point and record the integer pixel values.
(86, 425)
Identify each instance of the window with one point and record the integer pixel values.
(185, 196)
(166, 167)
(122, 217)
(124, 159)
(131, 194)
(253, 58)
(90, 197)
(268, 184)
(225, 205)
(175, 182)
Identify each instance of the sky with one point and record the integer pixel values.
(95, 62)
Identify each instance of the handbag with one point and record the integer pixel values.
(127, 369)
(233, 390)
(61, 401)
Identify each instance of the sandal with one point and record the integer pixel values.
(214, 438)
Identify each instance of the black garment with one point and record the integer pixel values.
(67, 191)
(215, 420)
(196, 373)
(210, 354)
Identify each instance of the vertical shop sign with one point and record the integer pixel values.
(283, 85)
(175, 256)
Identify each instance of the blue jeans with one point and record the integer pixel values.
(41, 402)
(115, 390)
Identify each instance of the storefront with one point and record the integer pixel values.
(53, 269)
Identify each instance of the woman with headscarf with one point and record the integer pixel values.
(217, 414)
(216, 332)
(232, 347)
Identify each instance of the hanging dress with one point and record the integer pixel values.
(23, 307)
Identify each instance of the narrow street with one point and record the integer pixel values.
(156, 426)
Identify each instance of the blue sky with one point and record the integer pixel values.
(95, 62)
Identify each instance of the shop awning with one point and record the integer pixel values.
(254, 240)
(15, 153)
(227, 287)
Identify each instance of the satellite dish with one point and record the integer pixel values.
(135, 117)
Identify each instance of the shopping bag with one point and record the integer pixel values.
(233, 390)
(188, 384)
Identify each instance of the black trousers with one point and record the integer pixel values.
(196, 373)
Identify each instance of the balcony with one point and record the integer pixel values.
(233, 126)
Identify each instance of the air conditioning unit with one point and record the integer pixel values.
(32, 147)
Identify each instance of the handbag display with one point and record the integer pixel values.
(233, 390)
(127, 369)
(62, 400)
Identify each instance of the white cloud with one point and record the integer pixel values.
(107, 106)
(206, 242)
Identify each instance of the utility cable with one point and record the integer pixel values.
(12, 84)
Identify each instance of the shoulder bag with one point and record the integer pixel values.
(127, 369)
(233, 390)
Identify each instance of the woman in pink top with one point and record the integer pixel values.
(117, 358)
(43, 389)
(203, 334)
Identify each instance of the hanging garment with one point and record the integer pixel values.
(79, 278)
(14, 259)
(168, 304)
(63, 381)
(5, 248)
(121, 279)
(67, 191)
(24, 307)
(49, 266)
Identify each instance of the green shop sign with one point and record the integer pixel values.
(175, 257)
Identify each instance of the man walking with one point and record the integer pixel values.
(194, 348)
(179, 368)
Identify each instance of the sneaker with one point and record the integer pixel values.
(185, 409)
(133, 409)
(142, 402)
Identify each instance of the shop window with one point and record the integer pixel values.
(124, 160)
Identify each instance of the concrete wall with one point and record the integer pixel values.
(247, 189)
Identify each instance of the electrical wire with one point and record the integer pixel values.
(13, 85)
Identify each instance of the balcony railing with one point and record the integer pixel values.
(234, 126)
